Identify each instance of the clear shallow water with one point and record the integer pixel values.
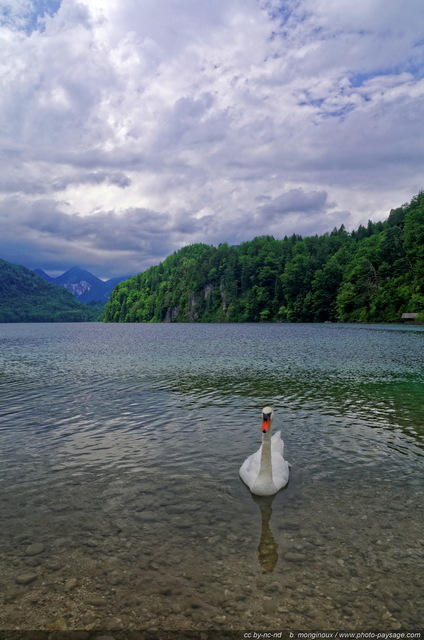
(119, 454)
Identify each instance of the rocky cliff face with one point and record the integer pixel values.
(78, 288)
(192, 311)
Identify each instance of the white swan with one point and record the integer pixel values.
(266, 472)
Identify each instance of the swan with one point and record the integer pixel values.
(266, 471)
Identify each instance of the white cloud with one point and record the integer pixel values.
(204, 115)
(15, 13)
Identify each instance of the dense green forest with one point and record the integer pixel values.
(26, 297)
(373, 274)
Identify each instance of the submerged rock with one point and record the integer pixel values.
(96, 601)
(11, 595)
(26, 578)
(70, 584)
(34, 549)
(293, 556)
(60, 624)
(21, 538)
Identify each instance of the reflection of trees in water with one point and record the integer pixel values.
(267, 549)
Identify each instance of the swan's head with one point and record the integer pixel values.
(267, 416)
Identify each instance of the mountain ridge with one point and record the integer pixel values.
(26, 297)
(82, 284)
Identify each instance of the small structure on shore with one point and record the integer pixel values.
(410, 318)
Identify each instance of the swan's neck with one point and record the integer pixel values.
(266, 466)
(264, 485)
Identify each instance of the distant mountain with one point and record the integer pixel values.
(26, 297)
(83, 285)
(44, 275)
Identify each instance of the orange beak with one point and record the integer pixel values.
(265, 425)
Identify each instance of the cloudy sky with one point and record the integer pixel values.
(130, 128)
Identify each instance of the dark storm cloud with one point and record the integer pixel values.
(294, 201)
(137, 229)
(43, 234)
(45, 184)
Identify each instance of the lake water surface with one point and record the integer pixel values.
(121, 504)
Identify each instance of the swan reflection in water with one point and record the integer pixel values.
(267, 549)
(266, 473)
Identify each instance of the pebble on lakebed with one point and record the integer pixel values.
(34, 549)
(26, 578)
(70, 584)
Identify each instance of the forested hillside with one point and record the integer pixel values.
(26, 297)
(373, 274)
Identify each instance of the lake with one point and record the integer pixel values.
(122, 507)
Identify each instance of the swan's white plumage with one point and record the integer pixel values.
(274, 474)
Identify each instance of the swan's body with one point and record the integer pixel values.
(266, 471)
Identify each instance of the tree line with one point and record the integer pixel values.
(372, 274)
